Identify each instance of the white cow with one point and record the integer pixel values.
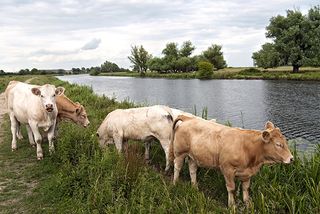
(35, 106)
(143, 123)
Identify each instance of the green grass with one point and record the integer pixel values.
(80, 178)
(283, 73)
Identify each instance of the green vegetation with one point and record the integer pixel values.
(295, 40)
(205, 70)
(279, 73)
(80, 178)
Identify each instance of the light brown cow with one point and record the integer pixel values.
(238, 153)
(68, 110)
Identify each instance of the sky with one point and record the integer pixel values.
(65, 34)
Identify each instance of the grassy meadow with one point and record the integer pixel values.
(282, 73)
(81, 178)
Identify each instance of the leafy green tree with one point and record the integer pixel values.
(267, 57)
(186, 49)
(2, 72)
(215, 56)
(139, 58)
(109, 67)
(94, 71)
(296, 37)
(156, 64)
(171, 50)
(184, 64)
(205, 70)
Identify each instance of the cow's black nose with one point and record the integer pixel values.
(291, 159)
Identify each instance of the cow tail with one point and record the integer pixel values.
(174, 128)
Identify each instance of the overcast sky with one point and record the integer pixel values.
(84, 33)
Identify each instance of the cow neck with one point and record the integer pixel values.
(255, 149)
(66, 108)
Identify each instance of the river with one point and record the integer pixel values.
(294, 106)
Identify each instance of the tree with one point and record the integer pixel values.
(215, 56)
(2, 72)
(184, 64)
(109, 67)
(296, 37)
(139, 58)
(267, 57)
(205, 70)
(186, 49)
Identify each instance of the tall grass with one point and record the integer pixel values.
(81, 178)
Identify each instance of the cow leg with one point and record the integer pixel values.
(193, 171)
(19, 135)
(30, 136)
(178, 162)
(51, 137)
(147, 145)
(245, 191)
(14, 124)
(118, 141)
(166, 147)
(38, 139)
(230, 184)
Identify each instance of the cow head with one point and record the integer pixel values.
(81, 115)
(47, 95)
(104, 139)
(275, 145)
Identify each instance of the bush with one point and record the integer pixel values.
(250, 71)
(205, 70)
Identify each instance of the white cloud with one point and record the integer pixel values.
(57, 33)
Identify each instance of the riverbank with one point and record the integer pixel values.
(281, 73)
(80, 178)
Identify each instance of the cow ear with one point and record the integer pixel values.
(78, 110)
(269, 125)
(266, 136)
(36, 91)
(60, 90)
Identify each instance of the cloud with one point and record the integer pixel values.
(91, 45)
(55, 35)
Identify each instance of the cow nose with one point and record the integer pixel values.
(49, 106)
(291, 160)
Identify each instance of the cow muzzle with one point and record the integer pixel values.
(49, 107)
(289, 160)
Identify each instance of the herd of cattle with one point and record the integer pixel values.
(238, 153)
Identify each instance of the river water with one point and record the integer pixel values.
(293, 106)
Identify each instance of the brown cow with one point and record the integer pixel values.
(238, 153)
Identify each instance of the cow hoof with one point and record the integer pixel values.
(20, 137)
(33, 145)
(40, 158)
(13, 149)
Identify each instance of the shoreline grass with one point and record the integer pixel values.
(249, 73)
(80, 178)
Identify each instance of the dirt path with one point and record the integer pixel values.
(3, 111)
(17, 181)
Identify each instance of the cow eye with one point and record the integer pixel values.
(279, 145)
(54, 95)
(41, 96)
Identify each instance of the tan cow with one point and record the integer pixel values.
(238, 153)
(33, 105)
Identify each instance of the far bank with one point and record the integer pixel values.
(280, 73)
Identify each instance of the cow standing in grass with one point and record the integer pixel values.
(35, 106)
(143, 123)
(238, 153)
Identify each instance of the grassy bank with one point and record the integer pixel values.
(80, 178)
(281, 73)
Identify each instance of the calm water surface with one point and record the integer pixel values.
(294, 106)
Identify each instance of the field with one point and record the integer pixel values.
(284, 73)
(81, 178)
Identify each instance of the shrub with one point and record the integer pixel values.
(205, 70)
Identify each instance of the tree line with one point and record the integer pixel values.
(176, 59)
